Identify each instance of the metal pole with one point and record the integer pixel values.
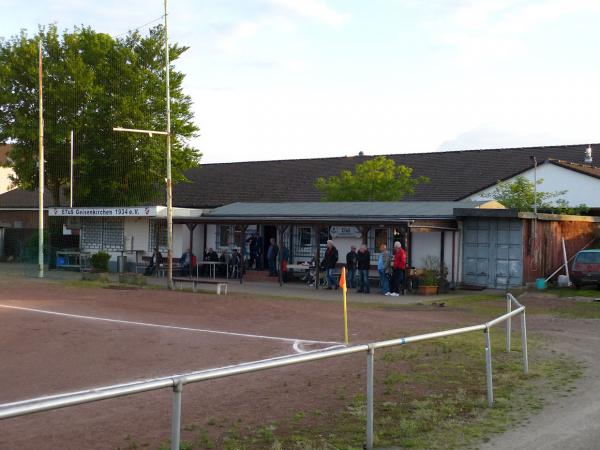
(370, 361)
(488, 368)
(169, 178)
(508, 323)
(176, 418)
(41, 171)
(524, 343)
(71, 170)
(564, 249)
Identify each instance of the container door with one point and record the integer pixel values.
(508, 268)
(476, 252)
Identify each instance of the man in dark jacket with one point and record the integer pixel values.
(272, 253)
(363, 258)
(351, 261)
(329, 262)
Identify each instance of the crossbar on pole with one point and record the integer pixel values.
(133, 130)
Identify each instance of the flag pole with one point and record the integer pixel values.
(344, 289)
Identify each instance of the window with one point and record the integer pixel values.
(381, 237)
(102, 233)
(324, 236)
(304, 236)
(113, 234)
(238, 236)
(223, 235)
(91, 234)
(157, 236)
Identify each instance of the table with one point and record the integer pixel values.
(212, 267)
(72, 260)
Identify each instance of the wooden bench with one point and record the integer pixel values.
(195, 281)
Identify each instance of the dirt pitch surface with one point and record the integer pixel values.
(57, 339)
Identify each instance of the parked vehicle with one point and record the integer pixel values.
(586, 268)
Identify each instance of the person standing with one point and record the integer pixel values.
(399, 265)
(186, 263)
(363, 258)
(272, 253)
(383, 267)
(329, 261)
(252, 247)
(351, 262)
(155, 262)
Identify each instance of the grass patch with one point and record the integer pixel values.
(578, 310)
(428, 395)
(572, 292)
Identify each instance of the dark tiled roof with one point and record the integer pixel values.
(19, 198)
(453, 175)
(586, 169)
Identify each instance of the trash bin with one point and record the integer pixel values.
(540, 283)
(122, 264)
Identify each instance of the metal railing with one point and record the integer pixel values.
(176, 382)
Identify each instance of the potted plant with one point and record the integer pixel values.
(99, 262)
(429, 281)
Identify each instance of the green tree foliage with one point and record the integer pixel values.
(378, 179)
(520, 194)
(92, 83)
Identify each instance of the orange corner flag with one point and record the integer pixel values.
(343, 286)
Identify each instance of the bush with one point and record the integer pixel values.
(100, 261)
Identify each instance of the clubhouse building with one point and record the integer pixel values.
(480, 242)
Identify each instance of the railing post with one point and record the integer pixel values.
(508, 322)
(176, 418)
(370, 376)
(488, 367)
(524, 343)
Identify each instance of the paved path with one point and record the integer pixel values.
(572, 422)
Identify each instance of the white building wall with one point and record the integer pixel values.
(580, 188)
(136, 234)
(5, 173)
(197, 242)
(425, 244)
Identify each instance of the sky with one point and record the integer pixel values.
(280, 79)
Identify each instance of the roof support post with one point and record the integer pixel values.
(280, 230)
(442, 251)
(317, 231)
(190, 227)
(364, 234)
(243, 252)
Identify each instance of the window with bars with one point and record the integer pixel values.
(91, 233)
(157, 235)
(113, 233)
(102, 233)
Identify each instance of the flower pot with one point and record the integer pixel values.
(428, 290)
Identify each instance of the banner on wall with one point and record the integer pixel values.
(344, 232)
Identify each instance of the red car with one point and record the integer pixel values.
(586, 268)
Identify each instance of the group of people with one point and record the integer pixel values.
(391, 268)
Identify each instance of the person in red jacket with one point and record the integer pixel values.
(399, 266)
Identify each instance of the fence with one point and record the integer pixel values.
(176, 382)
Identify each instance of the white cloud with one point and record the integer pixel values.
(488, 30)
(312, 9)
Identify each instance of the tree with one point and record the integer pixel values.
(92, 83)
(521, 194)
(378, 179)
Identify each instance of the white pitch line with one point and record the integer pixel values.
(169, 327)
